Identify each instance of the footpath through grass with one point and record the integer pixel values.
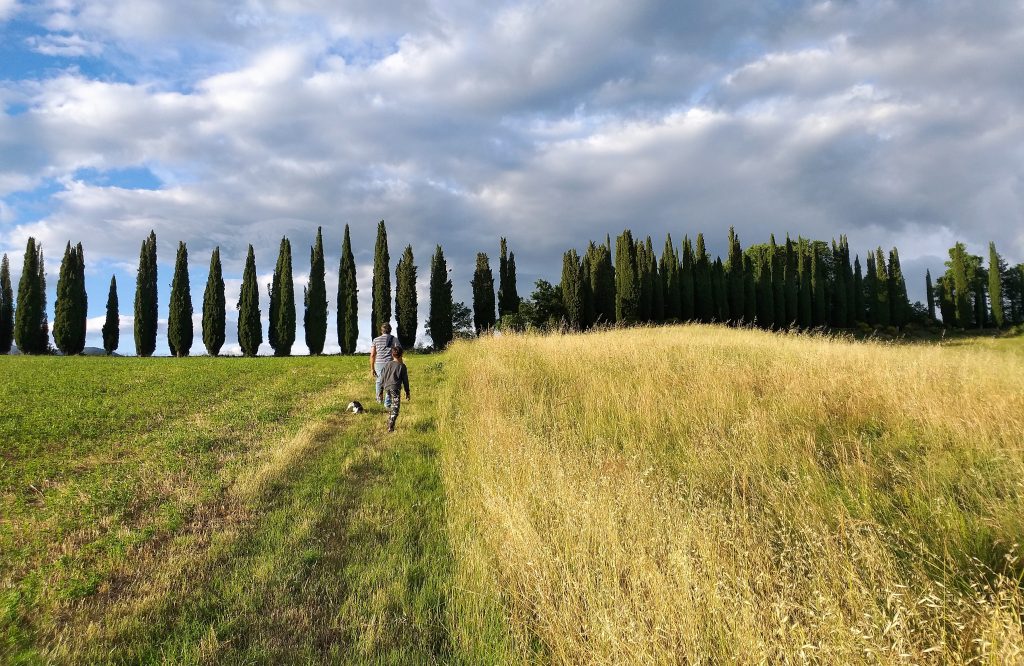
(217, 511)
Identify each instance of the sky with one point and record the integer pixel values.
(548, 122)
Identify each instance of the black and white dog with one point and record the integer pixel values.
(355, 407)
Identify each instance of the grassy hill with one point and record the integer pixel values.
(656, 495)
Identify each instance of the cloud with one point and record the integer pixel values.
(72, 46)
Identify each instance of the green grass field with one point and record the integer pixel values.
(757, 498)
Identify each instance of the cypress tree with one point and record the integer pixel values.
(961, 286)
(179, 316)
(792, 283)
(995, 285)
(250, 329)
(947, 307)
(645, 282)
(588, 294)
(851, 287)
(405, 299)
(765, 293)
(669, 271)
(805, 299)
(749, 291)
(483, 294)
(718, 291)
(112, 324)
(214, 306)
(686, 281)
(572, 290)
(602, 285)
(508, 296)
(871, 291)
(348, 298)
(440, 323)
(778, 259)
(627, 280)
(839, 304)
(31, 331)
(883, 314)
(978, 282)
(859, 315)
(820, 305)
(929, 294)
(68, 315)
(146, 298)
(657, 288)
(899, 303)
(734, 277)
(380, 312)
(282, 303)
(703, 298)
(6, 307)
(314, 298)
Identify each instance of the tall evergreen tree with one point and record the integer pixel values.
(572, 290)
(669, 270)
(979, 281)
(483, 294)
(883, 309)
(839, 305)
(734, 277)
(961, 286)
(282, 303)
(657, 288)
(899, 303)
(871, 290)
(405, 299)
(179, 316)
(627, 280)
(765, 293)
(749, 291)
(995, 285)
(646, 282)
(947, 306)
(250, 329)
(440, 323)
(146, 305)
(112, 324)
(778, 257)
(686, 281)
(851, 287)
(214, 306)
(791, 283)
(70, 311)
(718, 291)
(819, 302)
(348, 299)
(6, 307)
(588, 294)
(31, 330)
(380, 313)
(703, 298)
(508, 296)
(314, 298)
(929, 294)
(859, 314)
(806, 299)
(602, 285)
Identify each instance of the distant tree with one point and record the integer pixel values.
(179, 318)
(703, 298)
(883, 309)
(899, 303)
(462, 320)
(146, 305)
(281, 332)
(646, 282)
(381, 311)
(686, 281)
(979, 284)
(508, 296)
(588, 293)
(314, 298)
(348, 299)
(112, 324)
(805, 286)
(546, 309)
(859, 315)
(250, 329)
(947, 304)
(819, 315)
(671, 280)
(71, 305)
(871, 290)
(31, 329)
(572, 290)
(405, 299)
(961, 285)
(749, 291)
(719, 296)
(483, 294)
(734, 277)
(440, 326)
(627, 280)
(995, 285)
(929, 294)
(657, 288)
(602, 285)
(839, 305)
(778, 271)
(6, 307)
(791, 283)
(1013, 287)
(214, 306)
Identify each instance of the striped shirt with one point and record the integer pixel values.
(383, 345)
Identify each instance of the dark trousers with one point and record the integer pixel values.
(395, 397)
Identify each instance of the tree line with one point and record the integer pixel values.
(800, 283)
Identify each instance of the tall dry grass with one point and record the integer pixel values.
(700, 495)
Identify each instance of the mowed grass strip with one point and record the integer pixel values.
(174, 460)
(699, 494)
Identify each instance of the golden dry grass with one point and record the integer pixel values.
(700, 494)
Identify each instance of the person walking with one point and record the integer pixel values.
(380, 355)
(393, 378)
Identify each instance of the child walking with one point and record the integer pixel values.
(393, 377)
